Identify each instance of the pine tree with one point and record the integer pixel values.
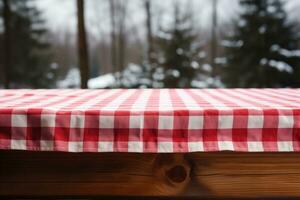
(29, 51)
(262, 52)
(177, 59)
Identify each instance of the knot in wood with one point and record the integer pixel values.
(177, 174)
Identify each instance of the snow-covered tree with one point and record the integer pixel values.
(179, 57)
(135, 76)
(262, 51)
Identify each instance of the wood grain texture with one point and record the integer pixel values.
(248, 174)
(222, 174)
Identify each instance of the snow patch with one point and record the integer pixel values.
(279, 65)
(104, 81)
(262, 29)
(242, 23)
(207, 67)
(195, 65)
(207, 82)
(221, 60)
(227, 43)
(164, 35)
(271, 9)
(134, 76)
(72, 79)
(285, 52)
(202, 54)
(173, 72)
(54, 66)
(179, 51)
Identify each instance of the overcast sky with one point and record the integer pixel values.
(60, 14)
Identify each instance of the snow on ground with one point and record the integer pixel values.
(72, 79)
(134, 76)
(207, 82)
(103, 81)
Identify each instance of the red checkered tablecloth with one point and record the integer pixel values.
(150, 120)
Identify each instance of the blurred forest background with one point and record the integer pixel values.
(149, 43)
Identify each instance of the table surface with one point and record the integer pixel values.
(151, 120)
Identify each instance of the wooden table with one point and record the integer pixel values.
(210, 128)
(204, 175)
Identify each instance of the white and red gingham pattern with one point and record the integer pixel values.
(151, 120)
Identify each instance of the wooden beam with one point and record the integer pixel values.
(222, 174)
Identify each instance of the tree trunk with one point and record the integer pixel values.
(149, 30)
(122, 35)
(150, 49)
(82, 45)
(214, 37)
(113, 35)
(7, 43)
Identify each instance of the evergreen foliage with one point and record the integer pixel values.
(30, 64)
(178, 54)
(262, 52)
